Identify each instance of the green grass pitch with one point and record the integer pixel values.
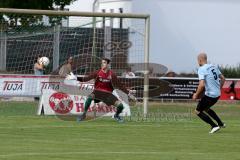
(25, 136)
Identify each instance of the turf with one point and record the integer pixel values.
(23, 135)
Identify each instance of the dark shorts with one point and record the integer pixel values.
(205, 103)
(106, 97)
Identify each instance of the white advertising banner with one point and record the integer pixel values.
(57, 96)
(25, 86)
(59, 103)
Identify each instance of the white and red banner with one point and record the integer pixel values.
(32, 86)
(59, 103)
(25, 86)
(56, 95)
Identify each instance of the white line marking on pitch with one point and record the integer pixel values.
(91, 125)
(102, 153)
(87, 152)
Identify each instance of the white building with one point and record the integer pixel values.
(182, 28)
(115, 6)
(107, 6)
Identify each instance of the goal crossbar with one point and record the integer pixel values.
(73, 13)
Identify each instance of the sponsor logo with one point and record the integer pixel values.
(84, 87)
(123, 45)
(98, 108)
(50, 85)
(61, 103)
(13, 86)
(104, 80)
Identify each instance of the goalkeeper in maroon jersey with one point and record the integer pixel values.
(105, 82)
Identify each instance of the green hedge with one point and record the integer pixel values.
(230, 71)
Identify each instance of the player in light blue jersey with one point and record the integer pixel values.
(211, 80)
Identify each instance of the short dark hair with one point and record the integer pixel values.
(107, 60)
(70, 57)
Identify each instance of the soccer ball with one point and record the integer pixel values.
(44, 60)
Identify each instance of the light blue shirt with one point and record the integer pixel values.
(38, 72)
(211, 75)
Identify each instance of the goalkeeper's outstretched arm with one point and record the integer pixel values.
(88, 77)
(117, 84)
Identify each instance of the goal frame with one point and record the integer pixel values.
(146, 17)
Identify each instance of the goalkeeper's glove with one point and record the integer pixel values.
(132, 92)
(131, 95)
(71, 76)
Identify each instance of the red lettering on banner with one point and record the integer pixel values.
(101, 108)
(50, 85)
(76, 98)
(110, 109)
(13, 86)
(86, 86)
(79, 107)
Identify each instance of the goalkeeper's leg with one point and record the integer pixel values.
(120, 108)
(86, 106)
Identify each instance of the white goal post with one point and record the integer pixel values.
(137, 33)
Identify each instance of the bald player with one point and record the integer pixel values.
(212, 80)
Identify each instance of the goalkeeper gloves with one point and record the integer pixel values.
(131, 96)
(132, 91)
(71, 76)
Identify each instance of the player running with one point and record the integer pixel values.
(105, 82)
(212, 80)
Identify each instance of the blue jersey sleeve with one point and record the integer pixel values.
(201, 73)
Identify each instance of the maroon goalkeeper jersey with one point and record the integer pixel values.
(105, 81)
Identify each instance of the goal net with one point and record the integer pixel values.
(26, 35)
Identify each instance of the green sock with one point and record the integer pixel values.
(119, 109)
(87, 104)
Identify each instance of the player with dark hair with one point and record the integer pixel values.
(212, 80)
(67, 67)
(105, 82)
